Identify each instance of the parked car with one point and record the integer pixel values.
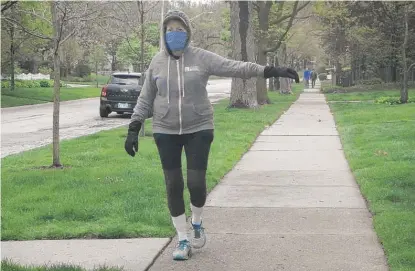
(121, 93)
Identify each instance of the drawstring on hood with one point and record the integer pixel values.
(181, 16)
(168, 79)
(183, 73)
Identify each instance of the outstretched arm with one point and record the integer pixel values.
(220, 66)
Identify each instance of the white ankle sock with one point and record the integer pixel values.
(179, 223)
(196, 214)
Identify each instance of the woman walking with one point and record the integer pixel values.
(174, 94)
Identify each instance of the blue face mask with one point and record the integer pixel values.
(176, 40)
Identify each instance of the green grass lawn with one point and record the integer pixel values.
(366, 95)
(26, 96)
(104, 193)
(10, 266)
(102, 80)
(379, 142)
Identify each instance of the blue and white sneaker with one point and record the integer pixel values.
(198, 236)
(183, 251)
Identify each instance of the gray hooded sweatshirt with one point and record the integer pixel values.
(174, 91)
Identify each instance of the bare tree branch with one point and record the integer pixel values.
(295, 11)
(68, 36)
(33, 13)
(151, 7)
(256, 6)
(23, 41)
(304, 18)
(110, 32)
(59, 8)
(131, 47)
(384, 9)
(61, 23)
(6, 5)
(280, 8)
(85, 16)
(121, 6)
(24, 29)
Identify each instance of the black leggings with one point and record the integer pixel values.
(197, 148)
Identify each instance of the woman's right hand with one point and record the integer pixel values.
(131, 142)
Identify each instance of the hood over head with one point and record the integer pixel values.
(178, 15)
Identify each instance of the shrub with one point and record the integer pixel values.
(18, 84)
(373, 81)
(391, 100)
(45, 83)
(321, 69)
(36, 83)
(362, 88)
(88, 78)
(5, 84)
(45, 70)
(29, 83)
(82, 70)
(322, 76)
(77, 79)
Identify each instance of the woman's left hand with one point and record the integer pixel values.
(271, 71)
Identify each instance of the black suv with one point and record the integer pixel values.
(121, 93)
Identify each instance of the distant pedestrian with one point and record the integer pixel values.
(174, 94)
(307, 75)
(313, 78)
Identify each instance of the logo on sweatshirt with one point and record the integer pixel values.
(192, 69)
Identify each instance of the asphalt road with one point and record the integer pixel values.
(28, 127)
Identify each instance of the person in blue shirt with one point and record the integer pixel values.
(307, 74)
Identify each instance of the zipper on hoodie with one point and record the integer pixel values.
(180, 95)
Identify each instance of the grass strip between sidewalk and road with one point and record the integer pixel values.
(104, 193)
(11, 266)
(379, 143)
(28, 96)
(366, 95)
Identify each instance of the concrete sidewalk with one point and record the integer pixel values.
(291, 203)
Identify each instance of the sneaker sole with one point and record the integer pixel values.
(198, 247)
(184, 258)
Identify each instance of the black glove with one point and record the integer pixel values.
(131, 142)
(271, 71)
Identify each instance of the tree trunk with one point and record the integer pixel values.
(338, 72)
(113, 63)
(270, 80)
(276, 81)
(56, 84)
(243, 92)
(285, 85)
(141, 10)
(140, 3)
(404, 88)
(96, 72)
(12, 58)
(263, 15)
